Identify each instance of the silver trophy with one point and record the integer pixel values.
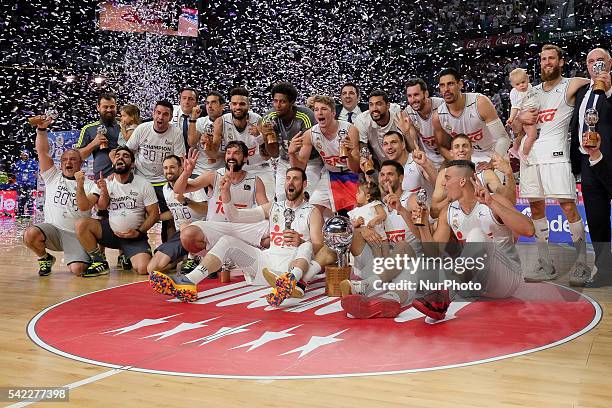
(599, 87)
(421, 199)
(591, 117)
(289, 215)
(338, 235)
(102, 130)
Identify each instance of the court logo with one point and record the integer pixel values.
(231, 332)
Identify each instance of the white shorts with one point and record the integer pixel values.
(313, 174)
(547, 180)
(251, 233)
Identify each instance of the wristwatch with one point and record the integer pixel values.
(186, 202)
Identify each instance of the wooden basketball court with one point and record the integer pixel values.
(575, 374)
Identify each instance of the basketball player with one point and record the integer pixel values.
(69, 196)
(241, 124)
(132, 211)
(289, 254)
(461, 149)
(201, 133)
(285, 121)
(326, 137)
(184, 209)
(548, 173)
(247, 192)
(382, 117)
(420, 111)
(471, 114)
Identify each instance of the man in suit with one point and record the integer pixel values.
(350, 107)
(595, 164)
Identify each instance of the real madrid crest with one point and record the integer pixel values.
(275, 218)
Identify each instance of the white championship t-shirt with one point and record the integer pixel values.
(182, 213)
(61, 207)
(151, 148)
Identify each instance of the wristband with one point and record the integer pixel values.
(42, 129)
(192, 120)
(186, 202)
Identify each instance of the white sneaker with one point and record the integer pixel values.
(580, 275)
(354, 287)
(543, 272)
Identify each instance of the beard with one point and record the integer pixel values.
(292, 196)
(237, 166)
(239, 117)
(125, 169)
(554, 74)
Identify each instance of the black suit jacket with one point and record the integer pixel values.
(363, 106)
(602, 170)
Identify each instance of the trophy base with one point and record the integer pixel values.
(225, 276)
(590, 139)
(333, 276)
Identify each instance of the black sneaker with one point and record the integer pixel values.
(188, 266)
(123, 262)
(96, 268)
(45, 264)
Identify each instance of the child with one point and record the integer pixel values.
(370, 212)
(523, 97)
(130, 119)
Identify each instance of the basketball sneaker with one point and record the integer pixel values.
(178, 286)
(96, 268)
(189, 265)
(362, 307)
(543, 272)
(45, 264)
(123, 262)
(272, 278)
(354, 287)
(284, 286)
(434, 304)
(580, 275)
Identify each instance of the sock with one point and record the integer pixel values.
(297, 272)
(392, 296)
(542, 233)
(198, 274)
(579, 238)
(96, 255)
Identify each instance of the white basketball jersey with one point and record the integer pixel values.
(370, 132)
(470, 124)
(395, 226)
(481, 218)
(204, 162)
(300, 223)
(243, 195)
(231, 132)
(330, 149)
(554, 115)
(413, 177)
(426, 131)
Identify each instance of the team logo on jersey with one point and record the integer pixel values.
(547, 115)
(318, 145)
(558, 154)
(247, 187)
(230, 330)
(275, 217)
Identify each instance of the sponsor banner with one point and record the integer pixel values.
(494, 41)
(59, 142)
(8, 203)
(558, 35)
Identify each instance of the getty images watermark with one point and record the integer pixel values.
(431, 265)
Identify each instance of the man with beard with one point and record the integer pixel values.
(471, 114)
(93, 141)
(284, 122)
(152, 142)
(184, 209)
(247, 192)
(381, 118)
(69, 196)
(461, 149)
(419, 111)
(337, 188)
(201, 134)
(188, 100)
(419, 171)
(241, 124)
(295, 233)
(133, 210)
(350, 107)
(548, 175)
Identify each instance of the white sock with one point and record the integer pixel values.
(542, 233)
(579, 238)
(190, 256)
(198, 274)
(297, 272)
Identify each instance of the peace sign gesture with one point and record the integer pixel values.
(481, 193)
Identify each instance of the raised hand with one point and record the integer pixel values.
(419, 156)
(79, 176)
(189, 161)
(101, 183)
(296, 143)
(500, 163)
(481, 193)
(402, 121)
(195, 112)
